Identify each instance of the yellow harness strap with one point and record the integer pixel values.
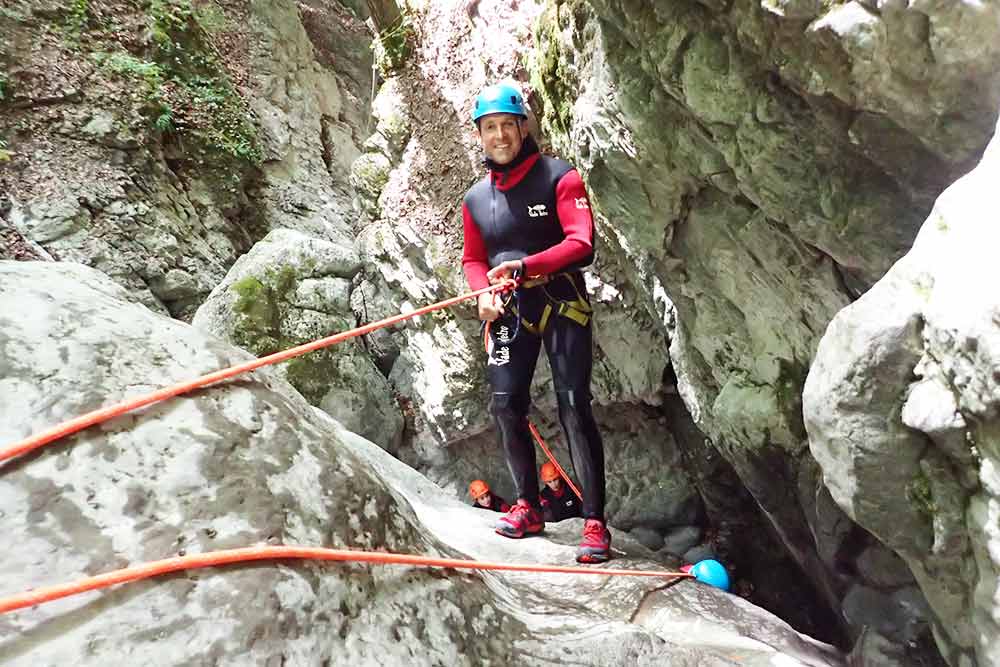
(577, 310)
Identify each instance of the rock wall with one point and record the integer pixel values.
(763, 163)
(901, 406)
(158, 145)
(292, 289)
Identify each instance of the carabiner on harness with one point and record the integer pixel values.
(511, 295)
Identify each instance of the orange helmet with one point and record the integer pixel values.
(478, 487)
(549, 472)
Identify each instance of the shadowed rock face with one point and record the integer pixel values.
(902, 408)
(249, 462)
(763, 163)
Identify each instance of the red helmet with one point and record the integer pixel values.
(478, 487)
(549, 472)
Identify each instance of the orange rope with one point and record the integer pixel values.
(213, 558)
(104, 414)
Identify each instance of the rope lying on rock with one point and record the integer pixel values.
(225, 557)
(104, 414)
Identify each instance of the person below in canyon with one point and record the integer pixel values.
(484, 499)
(558, 500)
(530, 218)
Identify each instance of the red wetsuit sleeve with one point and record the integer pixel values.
(573, 208)
(475, 261)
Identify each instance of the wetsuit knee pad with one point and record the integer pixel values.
(513, 407)
(573, 401)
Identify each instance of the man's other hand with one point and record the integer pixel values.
(504, 270)
(489, 308)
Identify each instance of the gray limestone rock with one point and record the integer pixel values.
(902, 404)
(292, 289)
(761, 164)
(249, 462)
(308, 64)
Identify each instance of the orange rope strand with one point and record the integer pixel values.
(104, 414)
(147, 570)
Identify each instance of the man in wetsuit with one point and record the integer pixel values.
(530, 217)
(558, 500)
(484, 499)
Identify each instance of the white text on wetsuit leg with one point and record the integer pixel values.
(501, 355)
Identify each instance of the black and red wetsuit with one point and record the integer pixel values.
(565, 505)
(536, 209)
(498, 504)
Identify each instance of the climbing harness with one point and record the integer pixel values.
(531, 426)
(576, 309)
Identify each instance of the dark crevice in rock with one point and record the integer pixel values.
(743, 537)
(848, 285)
(328, 149)
(14, 246)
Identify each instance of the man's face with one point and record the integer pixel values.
(500, 136)
(485, 500)
(554, 484)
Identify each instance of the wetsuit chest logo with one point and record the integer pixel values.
(581, 202)
(537, 211)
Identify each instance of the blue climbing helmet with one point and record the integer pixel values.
(499, 98)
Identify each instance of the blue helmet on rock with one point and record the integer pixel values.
(499, 98)
(711, 572)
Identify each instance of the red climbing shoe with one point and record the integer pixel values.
(523, 519)
(596, 544)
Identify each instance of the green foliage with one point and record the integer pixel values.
(164, 122)
(77, 17)
(186, 87)
(4, 153)
(919, 493)
(208, 102)
(394, 45)
(261, 307)
(128, 65)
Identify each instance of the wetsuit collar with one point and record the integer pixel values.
(506, 176)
